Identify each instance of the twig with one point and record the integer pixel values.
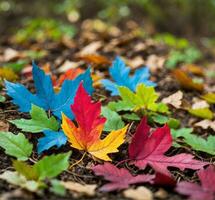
(78, 161)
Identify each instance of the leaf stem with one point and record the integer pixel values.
(32, 160)
(77, 162)
(123, 161)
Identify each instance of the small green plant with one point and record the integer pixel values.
(40, 29)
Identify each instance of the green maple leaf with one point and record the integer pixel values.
(38, 123)
(32, 177)
(144, 98)
(47, 167)
(114, 120)
(197, 143)
(51, 166)
(26, 170)
(16, 145)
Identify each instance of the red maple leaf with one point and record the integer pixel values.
(205, 191)
(148, 149)
(119, 178)
(86, 132)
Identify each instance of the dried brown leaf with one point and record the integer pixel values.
(140, 193)
(175, 99)
(79, 189)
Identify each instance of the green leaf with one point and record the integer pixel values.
(51, 166)
(131, 116)
(197, 143)
(173, 123)
(38, 123)
(17, 179)
(2, 99)
(120, 106)
(114, 120)
(204, 113)
(145, 98)
(17, 66)
(57, 187)
(26, 170)
(16, 145)
(183, 132)
(160, 119)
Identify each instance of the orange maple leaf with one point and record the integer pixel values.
(86, 135)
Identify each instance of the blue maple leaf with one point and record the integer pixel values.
(45, 96)
(120, 75)
(51, 139)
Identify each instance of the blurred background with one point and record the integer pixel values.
(149, 32)
(185, 18)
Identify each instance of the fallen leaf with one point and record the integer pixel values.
(119, 178)
(175, 99)
(91, 48)
(57, 188)
(90, 125)
(4, 126)
(199, 192)
(51, 139)
(16, 194)
(155, 63)
(209, 97)
(186, 82)
(164, 180)
(161, 194)
(144, 98)
(70, 74)
(205, 124)
(140, 193)
(194, 69)
(11, 54)
(114, 120)
(148, 149)
(120, 74)
(19, 180)
(67, 65)
(2, 99)
(45, 96)
(39, 121)
(16, 145)
(136, 62)
(204, 113)
(45, 169)
(80, 189)
(196, 142)
(95, 59)
(8, 74)
(200, 104)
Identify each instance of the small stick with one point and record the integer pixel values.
(78, 161)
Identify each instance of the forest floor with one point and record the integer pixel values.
(137, 50)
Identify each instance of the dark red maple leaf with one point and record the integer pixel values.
(205, 191)
(148, 149)
(164, 180)
(119, 178)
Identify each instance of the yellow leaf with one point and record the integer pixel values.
(209, 97)
(7, 73)
(204, 113)
(101, 148)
